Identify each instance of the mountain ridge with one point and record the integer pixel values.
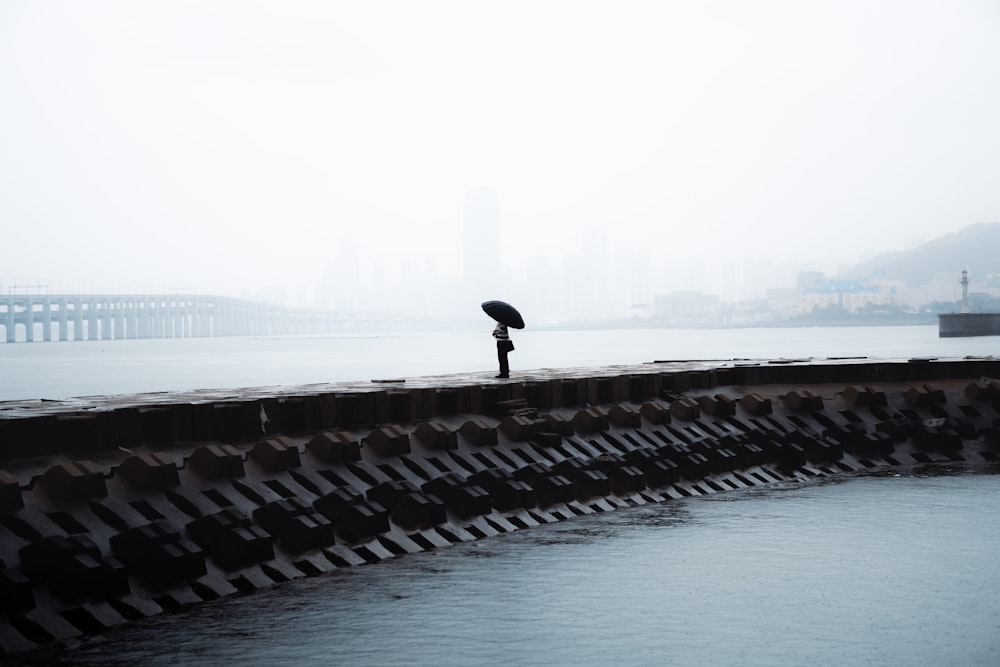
(975, 248)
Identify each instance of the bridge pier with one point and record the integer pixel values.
(120, 317)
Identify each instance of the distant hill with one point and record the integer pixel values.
(975, 248)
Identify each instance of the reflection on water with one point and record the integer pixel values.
(855, 569)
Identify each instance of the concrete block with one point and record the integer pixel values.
(40, 559)
(606, 463)
(387, 494)
(512, 494)
(573, 392)
(756, 405)
(83, 432)
(479, 432)
(275, 515)
(685, 409)
(469, 500)
(790, 456)
(327, 407)
(166, 423)
(402, 407)
(531, 472)
(538, 394)
(10, 492)
(167, 564)
(149, 471)
(981, 391)
(864, 396)
(624, 416)
(418, 510)
(86, 575)
(490, 478)
(640, 457)
(446, 401)
(242, 546)
(292, 414)
(520, 428)
(470, 399)
(276, 454)
(334, 504)
(749, 455)
(591, 420)
(435, 435)
(229, 422)
(640, 387)
(305, 533)
(362, 521)
(626, 480)
(655, 412)
(159, 553)
(718, 405)
(130, 546)
(555, 423)
(16, 593)
(936, 439)
(803, 401)
(425, 402)
(335, 447)
(590, 483)
(551, 490)
(31, 436)
(349, 411)
(443, 486)
(207, 530)
(872, 445)
(388, 441)
(217, 461)
(569, 468)
(924, 395)
(693, 466)
(74, 481)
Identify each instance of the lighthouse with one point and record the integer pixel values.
(965, 291)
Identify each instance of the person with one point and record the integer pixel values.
(504, 345)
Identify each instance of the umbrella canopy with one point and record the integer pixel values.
(504, 313)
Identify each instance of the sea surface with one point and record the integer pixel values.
(896, 568)
(900, 569)
(57, 370)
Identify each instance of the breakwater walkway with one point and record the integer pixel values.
(118, 508)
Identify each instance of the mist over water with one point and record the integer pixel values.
(63, 370)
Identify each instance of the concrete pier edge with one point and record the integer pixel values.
(117, 508)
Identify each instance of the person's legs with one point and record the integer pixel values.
(502, 357)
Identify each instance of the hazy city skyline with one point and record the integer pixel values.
(319, 152)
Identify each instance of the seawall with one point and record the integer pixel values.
(955, 325)
(118, 508)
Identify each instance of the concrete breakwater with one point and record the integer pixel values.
(119, 508)
(955, 325)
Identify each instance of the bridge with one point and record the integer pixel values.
(47, 317)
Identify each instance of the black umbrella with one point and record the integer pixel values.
(504, 313)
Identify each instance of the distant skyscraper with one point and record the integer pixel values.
(481, 242)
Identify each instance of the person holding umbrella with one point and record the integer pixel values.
(504, 345)
(505, 315)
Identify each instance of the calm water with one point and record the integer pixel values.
(898, 570)
(62, 370)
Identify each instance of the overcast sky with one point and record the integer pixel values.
(216, 146)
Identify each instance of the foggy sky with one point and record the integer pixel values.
(260, 148)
